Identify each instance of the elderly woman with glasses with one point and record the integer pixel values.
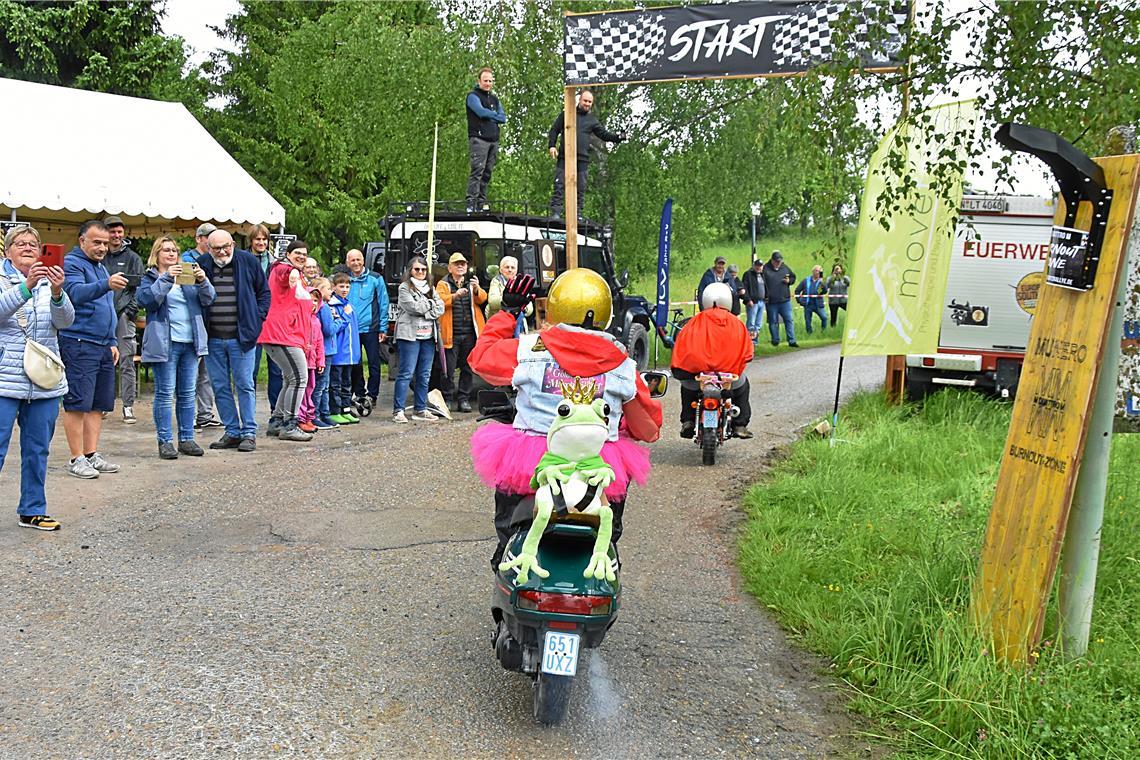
(418, 307)
(33, 307)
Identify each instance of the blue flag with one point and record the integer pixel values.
(663, 242)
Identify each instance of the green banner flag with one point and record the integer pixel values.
(898, 279)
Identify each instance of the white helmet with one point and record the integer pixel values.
(716, 294)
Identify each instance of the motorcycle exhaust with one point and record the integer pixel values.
(734, 411)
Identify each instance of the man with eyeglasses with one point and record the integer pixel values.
(233, 324)
(204, 393)
(122, 259)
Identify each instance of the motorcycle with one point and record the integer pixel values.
(715, 412)
(543, 625)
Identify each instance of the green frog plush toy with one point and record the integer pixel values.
(571, 476)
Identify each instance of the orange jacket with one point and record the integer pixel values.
(715, 340)
(443, 288)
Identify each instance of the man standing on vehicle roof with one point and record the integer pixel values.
(484, 115)
(587, 124)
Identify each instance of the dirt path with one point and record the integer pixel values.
(330, 599)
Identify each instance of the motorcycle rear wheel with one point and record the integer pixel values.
(708, 446)
(551, 698)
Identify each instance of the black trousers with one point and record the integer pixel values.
(461, 346)
(834, 308)
(558, 198)
(739, 397)
(509, 518)
(373, 356)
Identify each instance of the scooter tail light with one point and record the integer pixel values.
(712, 403)
(566, 604)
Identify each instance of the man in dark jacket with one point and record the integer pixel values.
(89, 350)
(122, 259)
(754, 294)
(233, 324)
(484, 115)
(586, 124)
(718, 272)
(778, 279)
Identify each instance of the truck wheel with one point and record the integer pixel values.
(551, 698)
(637, 346)
(917, 390)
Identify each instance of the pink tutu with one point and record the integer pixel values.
(505, 459)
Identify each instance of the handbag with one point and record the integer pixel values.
(42, 365)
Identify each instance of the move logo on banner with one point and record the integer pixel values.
(734, 39)
(898, 278)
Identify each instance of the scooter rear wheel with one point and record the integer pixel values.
(551, 698)
(708, 446)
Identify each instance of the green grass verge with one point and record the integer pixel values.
(800, 253)
(866, 552)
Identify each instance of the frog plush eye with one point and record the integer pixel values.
(564, 409)
(601, 408)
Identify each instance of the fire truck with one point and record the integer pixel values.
(997, 269)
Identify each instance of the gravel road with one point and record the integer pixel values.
(323, 600)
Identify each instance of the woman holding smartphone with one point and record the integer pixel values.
(33, 307)
(173, 293)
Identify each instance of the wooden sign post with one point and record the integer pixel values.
(1046, 442)
(570, 156)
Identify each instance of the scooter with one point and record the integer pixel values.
(542, 625)
(715, 412)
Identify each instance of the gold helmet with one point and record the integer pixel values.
(576, 294)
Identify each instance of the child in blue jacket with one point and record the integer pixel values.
(345, 352)
(331, 327)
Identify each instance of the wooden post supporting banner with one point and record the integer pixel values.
(1046, 443)
(570, 160)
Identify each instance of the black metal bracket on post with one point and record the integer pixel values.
(1078, 176)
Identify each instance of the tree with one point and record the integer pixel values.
(114, 47)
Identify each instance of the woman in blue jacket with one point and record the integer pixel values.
(174, 338)
(33, 306)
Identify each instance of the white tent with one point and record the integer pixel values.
(70, 155)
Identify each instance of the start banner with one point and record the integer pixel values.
(731, 40)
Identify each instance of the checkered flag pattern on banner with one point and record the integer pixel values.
(613, 50)
(806, 38)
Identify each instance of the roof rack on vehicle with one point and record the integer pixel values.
(501, 211)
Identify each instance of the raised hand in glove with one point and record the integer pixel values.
(518, 293)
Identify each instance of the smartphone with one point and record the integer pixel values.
(187, 277)
(51, 255)
(133, 280)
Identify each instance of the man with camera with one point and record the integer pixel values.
(122, 259)
(89, 349)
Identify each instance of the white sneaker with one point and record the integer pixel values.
(100, 464)
(129, 415)
(424, 416)
(81, 468)
(400, 417)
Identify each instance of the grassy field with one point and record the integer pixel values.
(800, 253)
(866, 552)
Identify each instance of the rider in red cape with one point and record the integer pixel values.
(714, 340)
(537, 365)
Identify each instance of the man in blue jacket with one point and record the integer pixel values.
(484, 115)
(368, 295)
(89, 349)
(233, 324)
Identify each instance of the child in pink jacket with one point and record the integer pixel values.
(315, 359)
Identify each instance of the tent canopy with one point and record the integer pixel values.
(71, 155)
